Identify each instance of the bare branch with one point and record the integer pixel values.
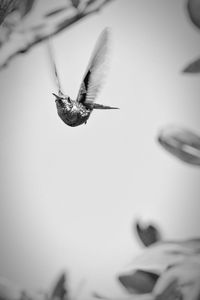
(34, 35)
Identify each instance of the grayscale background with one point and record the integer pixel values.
(69, 196)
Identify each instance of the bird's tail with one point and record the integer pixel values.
(100, 106)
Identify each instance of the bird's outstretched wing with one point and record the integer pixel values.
(95, 72)
(53, 66)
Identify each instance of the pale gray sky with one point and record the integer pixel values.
(69, 196)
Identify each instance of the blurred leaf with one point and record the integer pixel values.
(182, 143)
(140, 282)
(147, 234)
(75, 3)
(184, 279)
(193, 67)
(144, 273)
(60, 290)
(171, 292)
(193, 8)
(26, 6)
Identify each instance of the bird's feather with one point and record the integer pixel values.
(95, 72)
(53, 65)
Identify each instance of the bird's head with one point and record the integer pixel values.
(63, 100)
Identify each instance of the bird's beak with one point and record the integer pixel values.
(57, 97)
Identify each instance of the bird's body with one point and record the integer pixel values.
(76, 112)
(73, 113)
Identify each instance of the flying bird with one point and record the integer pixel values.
(77, 112)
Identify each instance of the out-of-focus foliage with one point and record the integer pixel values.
(14, 10)
(193, 11)
(141, 276)
(75, 3)
(165, 270)
(193, 67)
(171, 292)
(168, 270)
(183, 144)
(25, 23)
(193, 8)
(139, 281)
(148, 234)
(23, 6)
(183, 277)
(6, 6)
(59, 291)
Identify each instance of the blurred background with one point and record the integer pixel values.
(69, 196)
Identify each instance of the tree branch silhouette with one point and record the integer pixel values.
(23, 38)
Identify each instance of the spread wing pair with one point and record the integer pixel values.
(94, 75)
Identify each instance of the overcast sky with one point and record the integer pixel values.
(69, 196)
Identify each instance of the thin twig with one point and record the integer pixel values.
(39, 37)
